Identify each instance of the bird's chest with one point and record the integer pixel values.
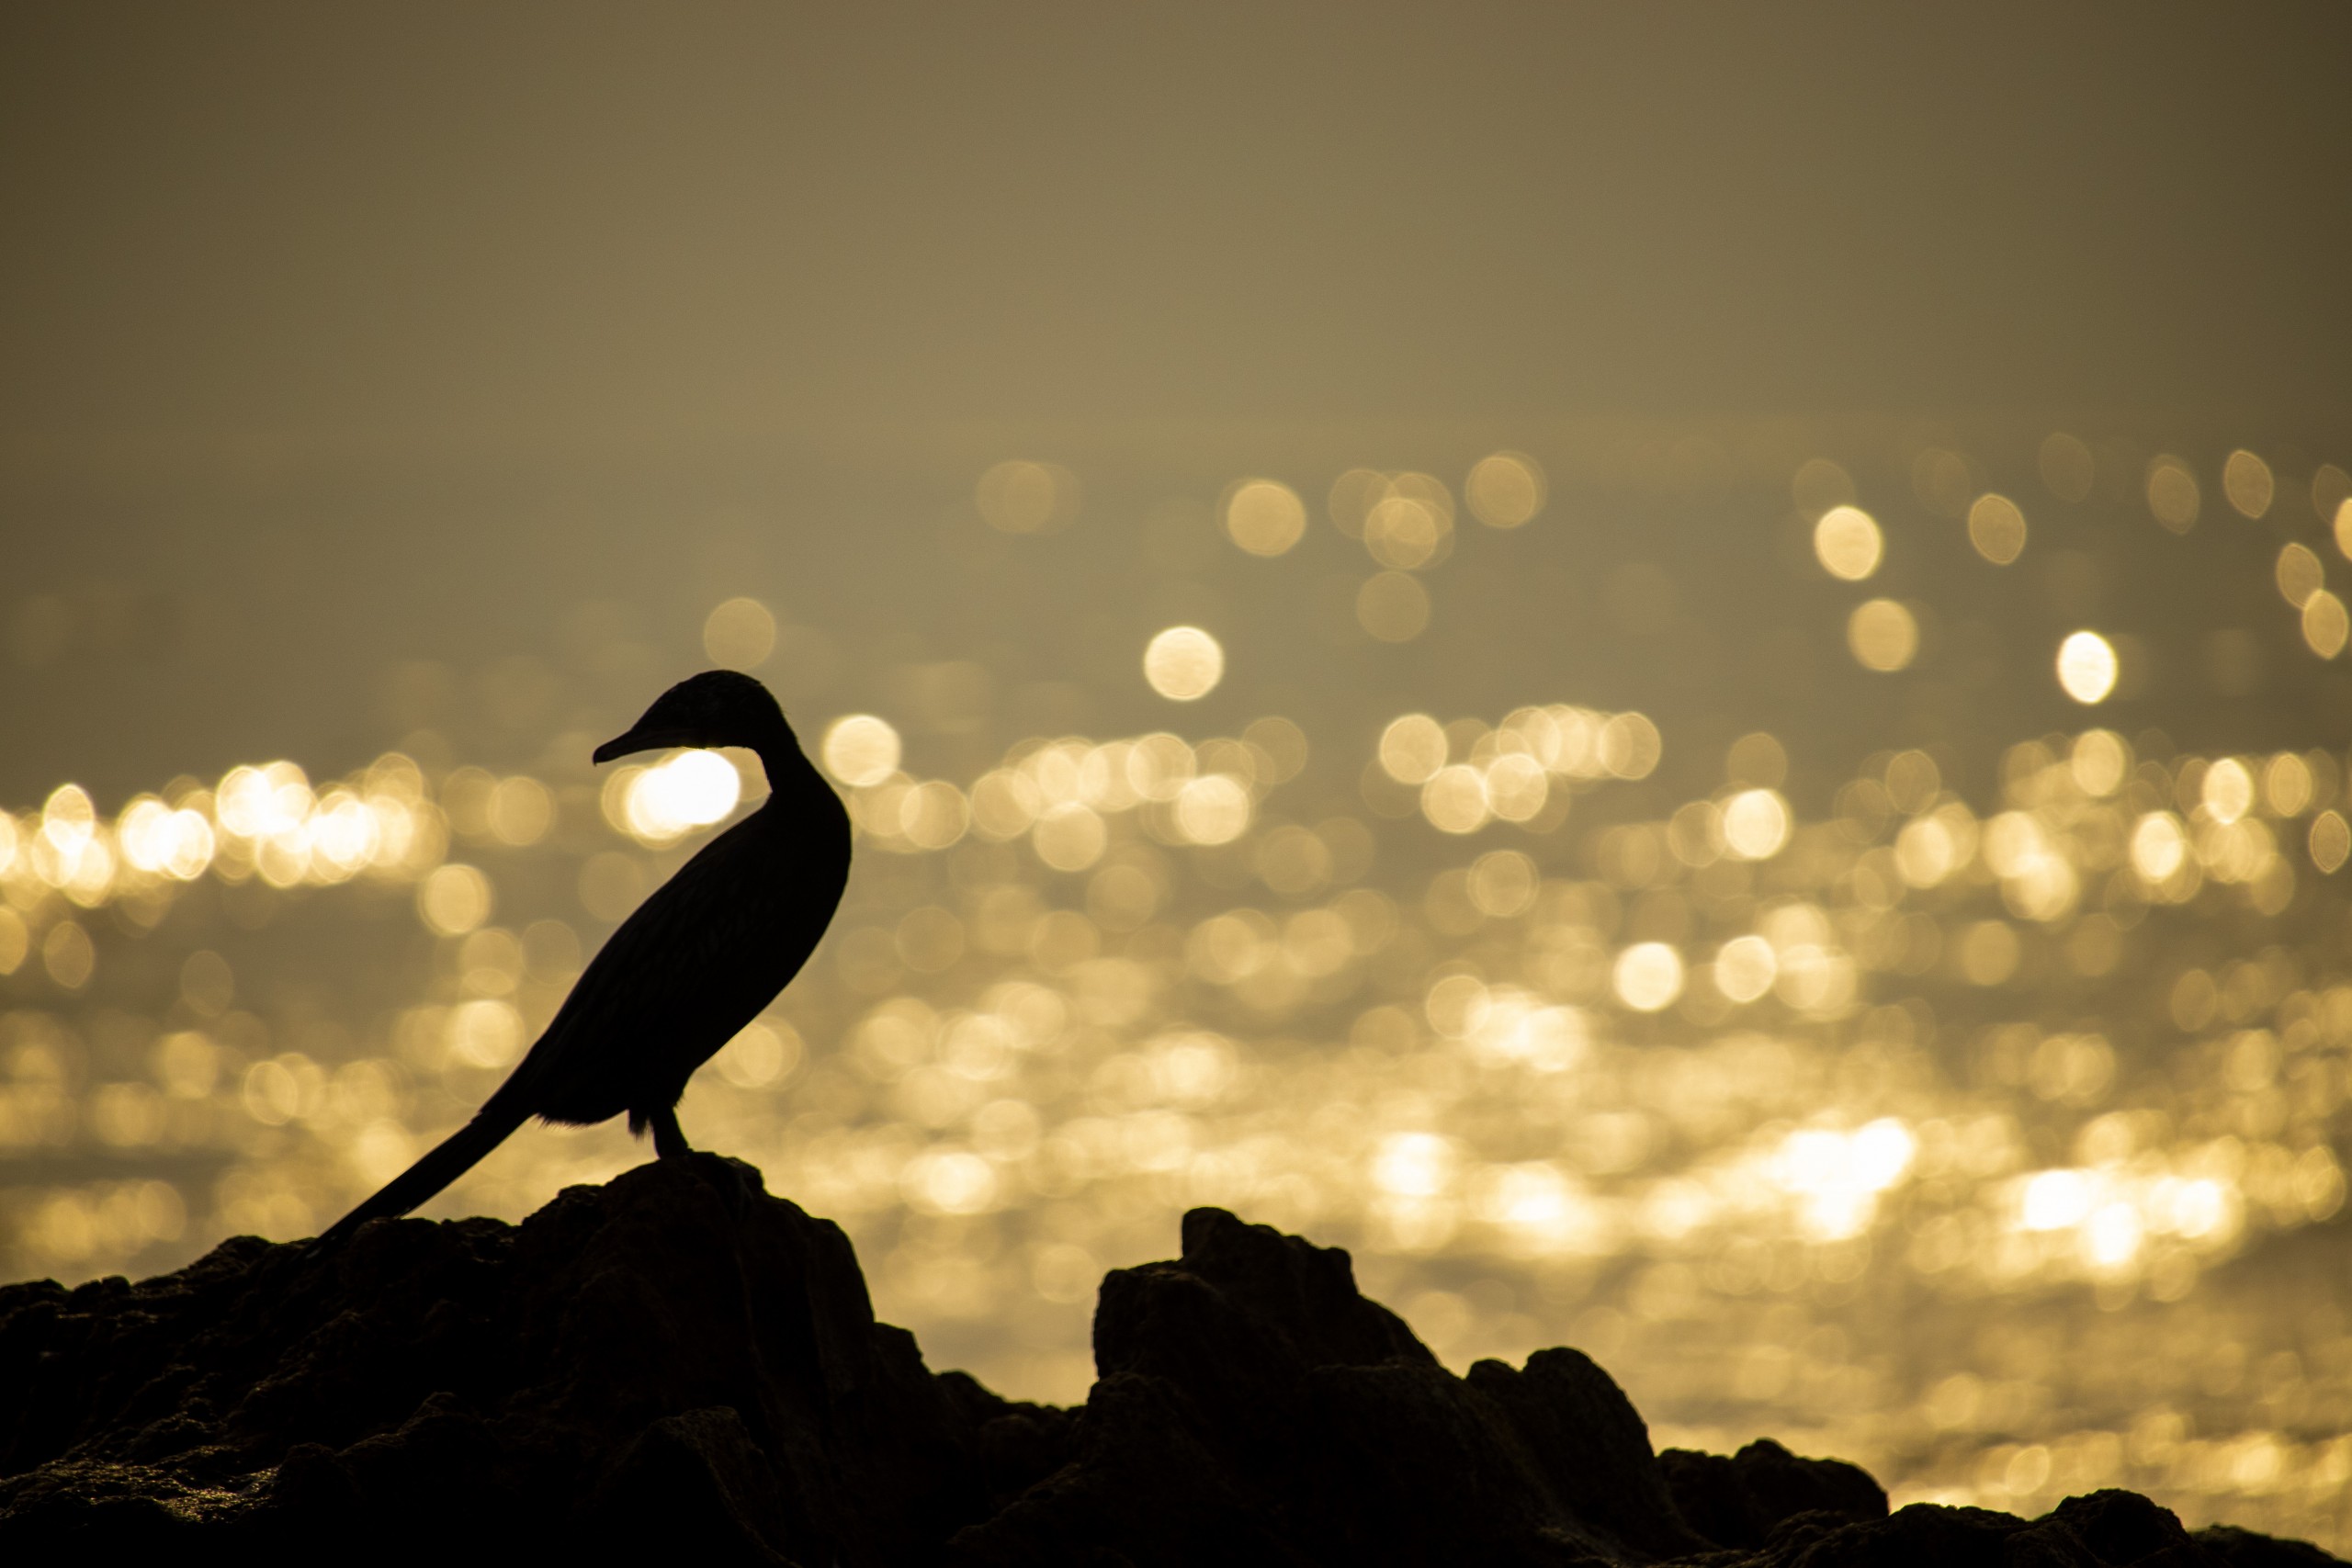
(763, 923)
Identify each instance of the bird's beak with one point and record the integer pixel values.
(643, 738)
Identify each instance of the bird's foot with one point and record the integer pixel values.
(667, 1140)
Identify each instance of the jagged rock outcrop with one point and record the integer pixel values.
(674, 1356)
(678, 1363)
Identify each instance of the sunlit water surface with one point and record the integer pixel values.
(1899, 1033)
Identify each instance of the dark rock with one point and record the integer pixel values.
(2243, 1548)
(675, 1344)
(676, 1364)
(1740, 1500)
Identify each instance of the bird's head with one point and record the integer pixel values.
(717, 707)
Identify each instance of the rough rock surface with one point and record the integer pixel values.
(678, 1363)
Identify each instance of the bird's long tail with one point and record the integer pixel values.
(443, 1163)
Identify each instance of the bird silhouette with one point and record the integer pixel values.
(689, 967)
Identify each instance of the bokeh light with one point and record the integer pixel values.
(1648, 977)
(1412, 749)
(453, 899)
(693, 789)
(860, 750)
(1505, 488)
(1618, 960)
(2087, 667)
(2246, 481)
(1848, 543)
(1264, 517)
(2173, 497)
(739, 634)
(1996, 527)
(1882, 635)
(2324, 623)
(1184, 664)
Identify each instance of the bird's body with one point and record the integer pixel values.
(690, 966)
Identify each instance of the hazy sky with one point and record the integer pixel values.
(590, 218)
(338, 336)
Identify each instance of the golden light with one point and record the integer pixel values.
(1412, 749)
(934, 815)
(739, 634)
(1415, 1165)
(2330, 840)
(762, 1052)
(693, 789)
(2228, 791)
(2298, 574)
(1996, 527)
(149, 833)
(1882, 635)
(1648, 976)
(1630, 746)
(2159, 846)
(860, 750)
(1847, 542)
(1353, 495)
(69, 956)
(2173, 494)
(2098, 759)
(1754, 824)
(258, 803)
(521, 811)
(1557, 1050)
(1070, 836)
(485, 1033)
(2087, 667)
(2287, 785)
(1213, 809)
(2246, 481)
(1264, 517)
(1454, 799)
(1503, 882)
(1160, 765)
(2054, 1200)
(1746, 967)
(2324, 623)
(68, 819)
(1184, 664)
(1505, 488)
(453, 899)
(1517, 787)
(1403, 532)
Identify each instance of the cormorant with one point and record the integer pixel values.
(689, 967)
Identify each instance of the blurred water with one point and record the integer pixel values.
(1846, 925)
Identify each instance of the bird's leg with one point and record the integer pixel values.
(667, 1139)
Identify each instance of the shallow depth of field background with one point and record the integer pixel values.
(1683, 677)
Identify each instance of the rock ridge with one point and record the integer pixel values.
(678, 1362)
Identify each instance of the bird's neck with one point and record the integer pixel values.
(780, 759)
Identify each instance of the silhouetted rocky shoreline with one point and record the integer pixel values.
(678, 1363)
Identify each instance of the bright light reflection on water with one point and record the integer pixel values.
(1990, 1135)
